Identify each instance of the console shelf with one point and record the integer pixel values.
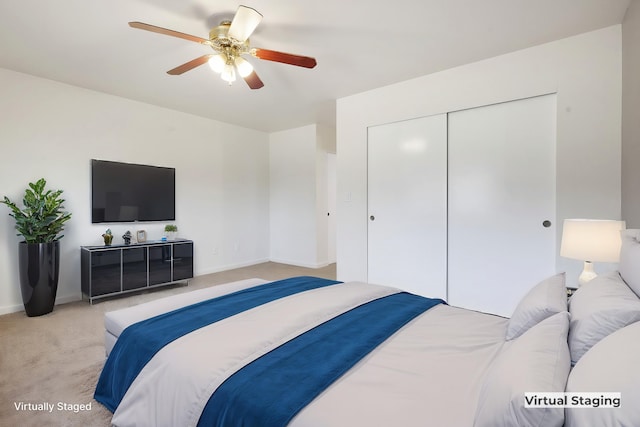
(118, 269)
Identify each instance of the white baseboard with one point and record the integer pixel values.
(230, 267)
(59, 300)
(299, 264)
(68, 298)
(11, 309)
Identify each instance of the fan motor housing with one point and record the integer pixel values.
(220, 40)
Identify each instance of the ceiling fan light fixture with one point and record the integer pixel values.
(229, 41)
(244, 67)
(228, 73)
(217, 63)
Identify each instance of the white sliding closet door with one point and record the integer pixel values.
(407, 194)
(502, 223)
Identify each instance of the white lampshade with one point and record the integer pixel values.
(229, 73)
(591, 240)
(217, 63)
(244, 67)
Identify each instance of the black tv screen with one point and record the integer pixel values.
(126, 192)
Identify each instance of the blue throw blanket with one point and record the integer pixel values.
(139, 342)
(271, 390)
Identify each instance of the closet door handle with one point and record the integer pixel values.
(372, 218)
(546, 223)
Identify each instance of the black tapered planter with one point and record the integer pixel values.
(39, 268)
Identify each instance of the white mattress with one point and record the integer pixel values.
(427, 374)
(116, 321)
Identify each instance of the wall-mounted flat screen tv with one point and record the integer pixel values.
(126, 192)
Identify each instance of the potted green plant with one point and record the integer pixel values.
(40, 223)
(171, 231)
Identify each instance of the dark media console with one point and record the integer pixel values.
(112, 270)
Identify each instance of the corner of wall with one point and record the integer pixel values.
(630, 108)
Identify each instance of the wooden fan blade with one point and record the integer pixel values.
(244, 23)
(160, 30)
(285, 58)
(189, 65)
(253, 81)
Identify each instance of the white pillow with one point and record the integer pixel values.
(610, 366)
(630, 259)
(599, 308)
(537, 361)
(543, 300)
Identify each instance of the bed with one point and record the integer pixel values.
(315, 352)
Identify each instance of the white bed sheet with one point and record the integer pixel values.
(116, 321)
(429, 374)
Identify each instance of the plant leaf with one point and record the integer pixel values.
(42, 219)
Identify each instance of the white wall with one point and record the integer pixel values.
(630, 109)
(325, 143)
(52, 130)
(584, 70)
(298, 195)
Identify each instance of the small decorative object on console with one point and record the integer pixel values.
(108, 237)
(127, 237)
(171, 231)
(141, 236)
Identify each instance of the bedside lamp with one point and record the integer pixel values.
(591, 240)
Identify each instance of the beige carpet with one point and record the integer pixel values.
(52, 362)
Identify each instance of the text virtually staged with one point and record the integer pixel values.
(52, 407)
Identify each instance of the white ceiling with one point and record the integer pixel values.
(359, 45)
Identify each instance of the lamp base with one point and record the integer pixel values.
(587, 273)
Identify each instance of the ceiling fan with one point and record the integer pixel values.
(230, 40)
